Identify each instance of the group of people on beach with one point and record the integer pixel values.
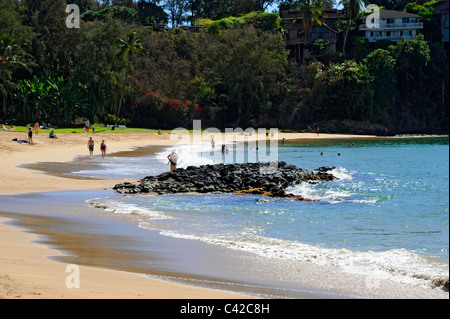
(36, 132)
(91, 144)
(5, 127)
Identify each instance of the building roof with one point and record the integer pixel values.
(392, 14)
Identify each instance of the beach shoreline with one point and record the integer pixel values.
(18, 180)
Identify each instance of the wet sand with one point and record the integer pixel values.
(86, 237)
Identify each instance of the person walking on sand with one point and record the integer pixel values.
(173, 159)
(213, 144)
(318, 130)
(90, 144)
(103, 148)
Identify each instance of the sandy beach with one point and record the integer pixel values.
(26, 272)
(16, 180)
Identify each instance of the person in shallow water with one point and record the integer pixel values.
(103, 148)
(173, 159)
(91, 147)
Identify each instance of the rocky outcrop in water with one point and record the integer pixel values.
(242, 179)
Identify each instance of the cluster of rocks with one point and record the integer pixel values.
(250, 178)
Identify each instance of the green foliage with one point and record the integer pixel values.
(110, 119)
(235, 71)
(12, 56)
(339, 91)
(150, 13)
(264, 21)
(260, 20)
(361, 47)
(381, 66)
(349, 89)
(94, 65)
(412, 57)
(167, 111)
(117, 12)
(250, 73)
(318, 47)
(425, 10)
(50, 99)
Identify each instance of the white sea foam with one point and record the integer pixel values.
(189, 155)
(398, 265)
(342, 191)
(117, 207)
(341, 173)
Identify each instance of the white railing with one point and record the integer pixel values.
(418, 25)
(390, 38)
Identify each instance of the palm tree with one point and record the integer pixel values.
(311, 10)
(128, 48)
(353, 8)
(11, 56)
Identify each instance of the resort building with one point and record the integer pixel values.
(297, 33)
(393, 25)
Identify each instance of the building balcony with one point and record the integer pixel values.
(391, 26)
(390, 38)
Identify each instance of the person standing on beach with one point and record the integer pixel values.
(90, 144)
(213, 144)
(173, 160)
(318, 130)
(103, 148)
(36, 129)
(30, 136)
(87, 125)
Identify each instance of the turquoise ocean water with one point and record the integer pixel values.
(388, 214)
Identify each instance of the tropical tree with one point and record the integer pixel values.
(381, 66)
(352, 8)
(12, 55)
(248, 73)
(127, 49)
(49, 99)
(177, 11)
(311, 10)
